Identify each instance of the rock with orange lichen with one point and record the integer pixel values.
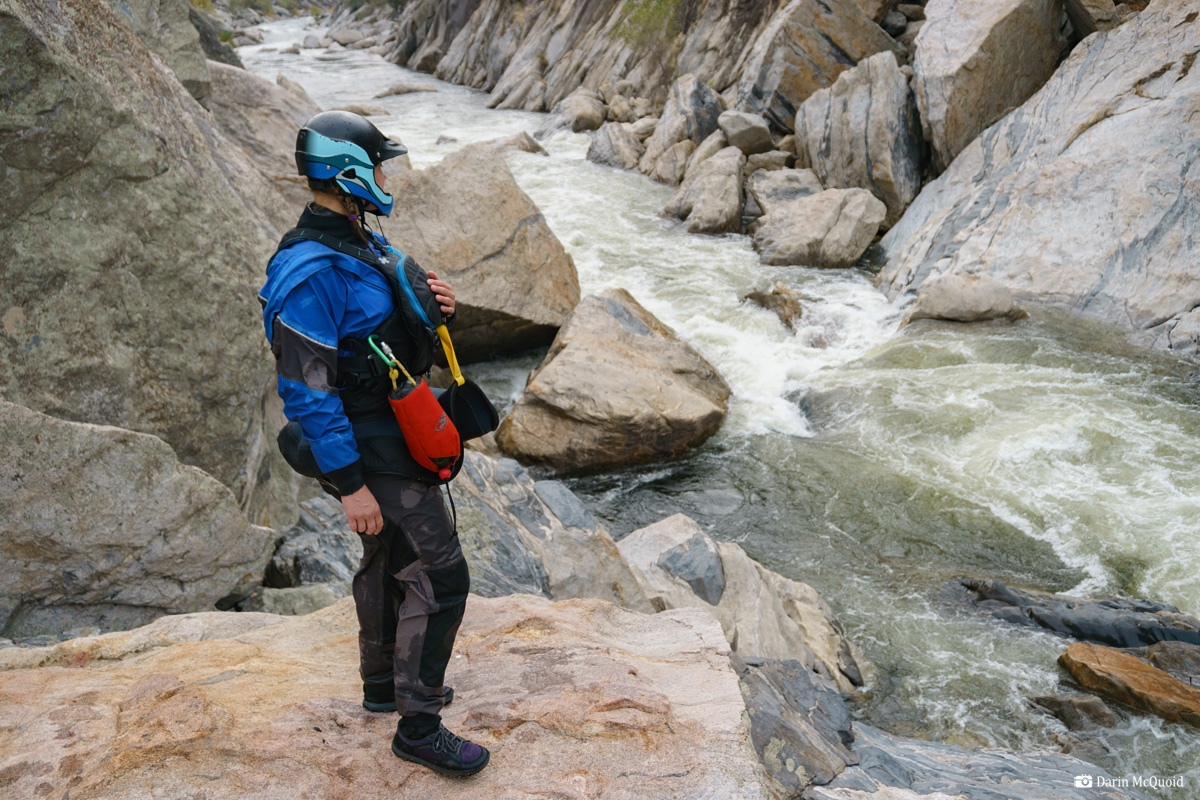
(1129, 680)
(575, 699)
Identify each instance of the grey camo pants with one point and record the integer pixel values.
(410, 592)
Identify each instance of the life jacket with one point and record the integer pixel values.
(362, 377)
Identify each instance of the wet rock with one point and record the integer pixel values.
(805, 46)
(615, 145)
(1180, 659)
(747, 132)
(166, 29)
(771, 160)
(1117, 623)
(405, 88)
(580, 111)
(536, 537)
(962, 47)
(787, 303)
(1129, 680)
(292, 602)
(345, 36)
(964, 298)
(584, 683)
(762, 613)
(319, 548)
(691, 115)
(895, 768)
(466, 218)
(105, 527)
(799, 724)
(831, 229)
(1077, 712)
(616, 388)
(671, 166)
(1012, 204)
(863, 132)
(263, 117)
(148, 320)
(210, 38)
(773, 188)
(710, 199)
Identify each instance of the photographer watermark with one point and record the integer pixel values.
(1134, 781)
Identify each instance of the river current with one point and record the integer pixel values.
(872, 462)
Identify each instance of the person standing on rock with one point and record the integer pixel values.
(332, 285)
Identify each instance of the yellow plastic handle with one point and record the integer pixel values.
(451, 359)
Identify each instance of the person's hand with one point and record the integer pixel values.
(443, 292)
(362, 512)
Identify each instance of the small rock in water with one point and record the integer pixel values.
(444, 139)
(405, 88)
(291, 51)
(785, 301)
(1077, 712)
(364, 109)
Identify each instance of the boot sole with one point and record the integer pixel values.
(380, 708)
(452, 773)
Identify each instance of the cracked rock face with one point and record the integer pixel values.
(104, 527)
(1088, 195)
(466, 219)
(617, 387)
(147, 318)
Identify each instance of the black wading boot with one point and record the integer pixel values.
(440, 751)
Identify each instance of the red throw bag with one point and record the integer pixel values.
(430, 435)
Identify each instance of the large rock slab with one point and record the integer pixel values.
(536, 537)
(165, 28)
(263, 117)
(147, 320)
(805, 46)
(1131, 681)
(961, 46)
(691, 113)
(1087, 195)
(863, 132)
(617, 387)
(830, 229)
(964, 48)
(1117, 623)
(762, 613)
(710, 198)
(466, 219)
(104, 527)
(579, 694)
(615, 145)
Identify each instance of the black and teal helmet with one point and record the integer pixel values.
(345, 148)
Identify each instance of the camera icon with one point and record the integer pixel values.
(1083, 781)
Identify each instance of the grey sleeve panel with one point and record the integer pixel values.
(303, 360)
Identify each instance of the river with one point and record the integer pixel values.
(872, 462)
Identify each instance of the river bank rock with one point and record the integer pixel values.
(319, 549)
(710, 198)
(772, 188)
(1098, 142)
(263, 117)
(148, 320)
(863, 132)
(1131, 681)
(104, 527)
(1117, 623)
(690, 114)
(964, 298)
(962, 48)
(762, 613)
(617, 387)
(747, 132)
(830, 229)
(237, 706)
(468, 220)
(804, 47)
(166, 29)
(210, 38)
(582, 110)
(615, 145)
